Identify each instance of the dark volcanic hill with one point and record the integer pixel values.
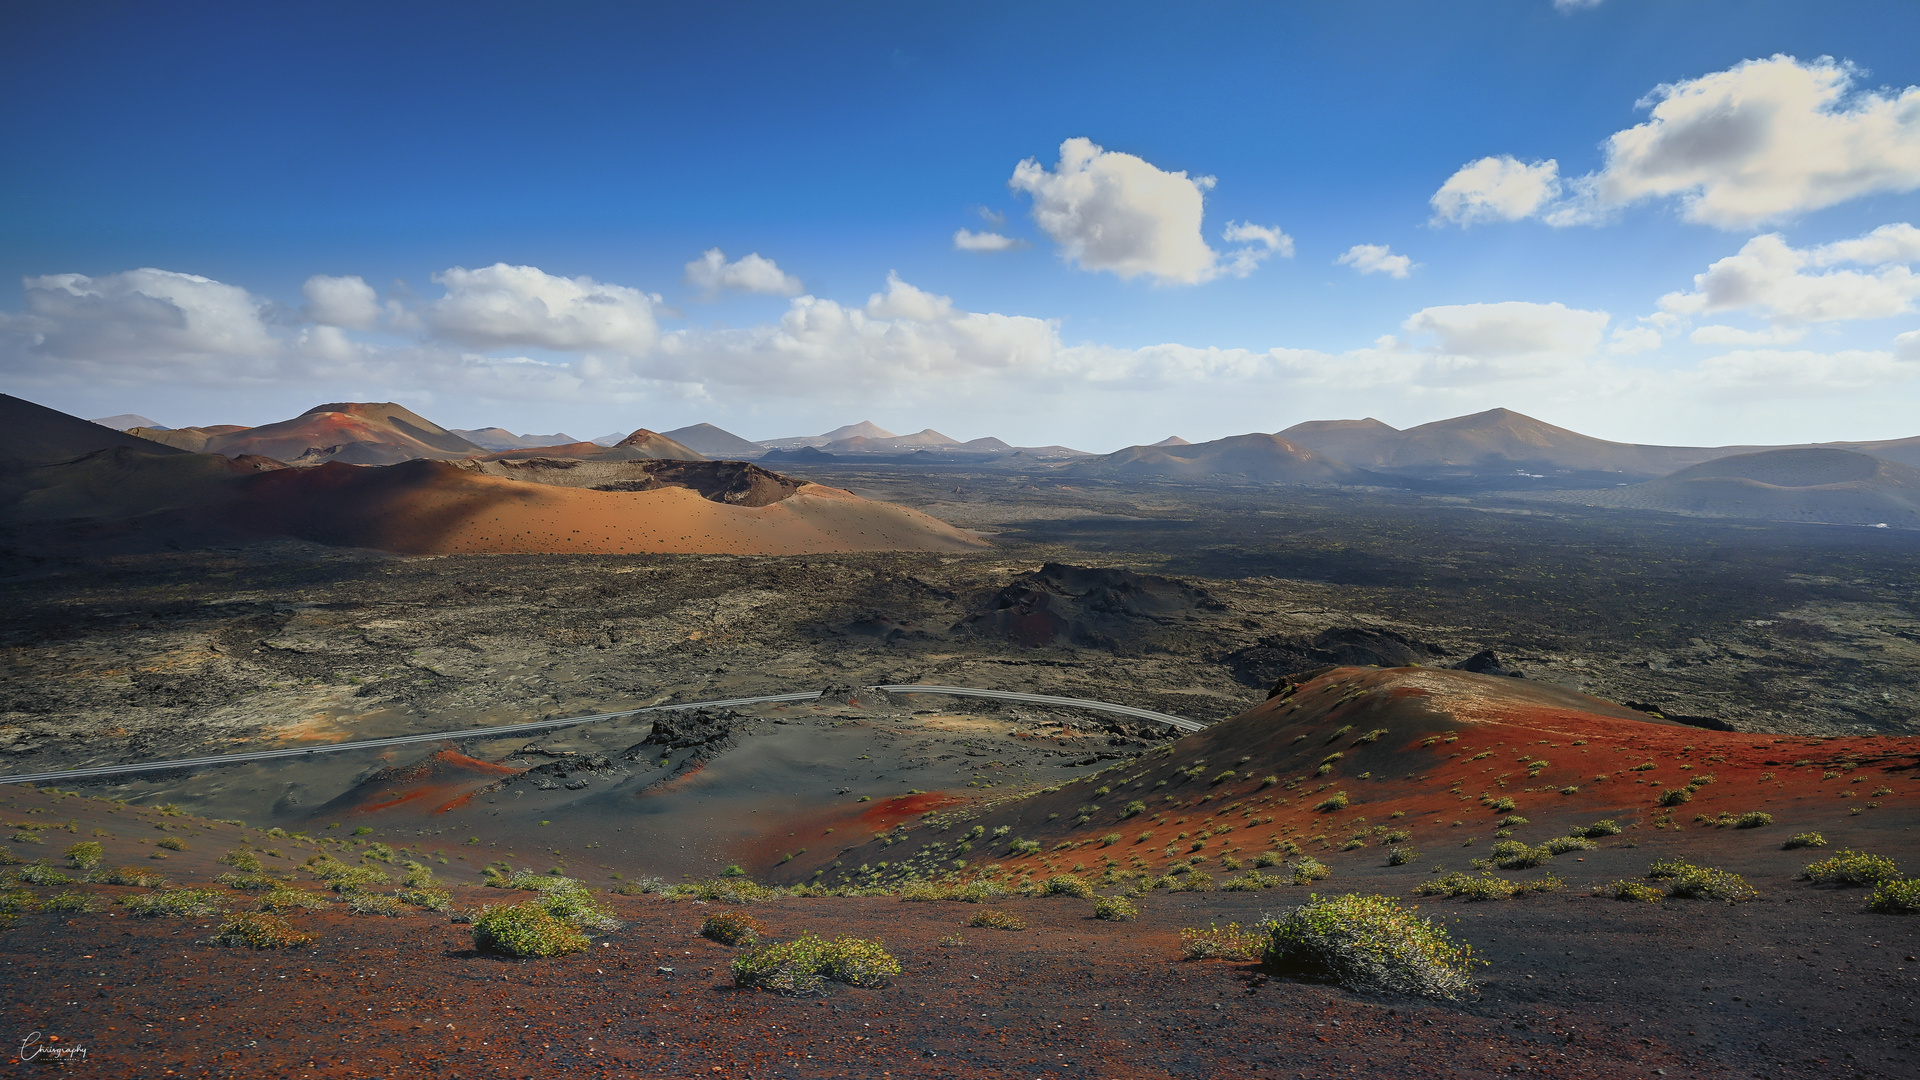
(1498, 439)
(349, 432)
(1262, 458)
(33, 434)
(1835, 487)
(714, 442)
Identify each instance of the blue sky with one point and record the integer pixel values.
(496, 214)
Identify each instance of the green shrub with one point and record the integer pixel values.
(1603, 827)
(1848, 867)
(250, 882)
(40, 873)
(1335, 801)
(1560, 845)
(1752, 819)
(1115, 909)
(16, 901)
(1250, 881)
(361, 903)
(1511, 820)
(1217, 942)
(1805, 839)
(1197, 881)
(994, 919)
(1371, 943)
(178, 903)
(732, 928)
(1307, 870)
(127, 875)
(1024, 847)
(85, 855)
(1266, 858)
(430, 897)
(1666, 868)
(172, 843)
(1893, 897)
(1401, 856)
(257, 930)
(725, 890)
(1710, 883)
(286, 898)
(1067, 885)
(525, 929)
(1132, 809)
(77, 903)
(243, 860)
(805, 965)
(1638, 891)
(1502, 805)
(1675, 796)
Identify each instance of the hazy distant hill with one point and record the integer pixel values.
(1267, 458)
(715, 442)
(1498, 439)
(126, 421)
(1816, 484)
(495, 438)
(640, 445)
(865, 429)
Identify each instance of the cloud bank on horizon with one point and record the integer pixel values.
(1761, 144)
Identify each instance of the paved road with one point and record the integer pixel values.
(575, 721)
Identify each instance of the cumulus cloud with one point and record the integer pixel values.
(1376, 259)
(503, 305)
(1907, 346)
(1511, 328)
(143, 324)
(1774, 373)
(750, 273)
(1771, 278)
(341, 301)
(1496, 189)
(1116, 212)
(1762, 141)
(1630, 340)
(1730, 335)
(968, 240)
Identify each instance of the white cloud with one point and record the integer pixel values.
(1496, 189)
(750, 273)
(1770, 277)
(1762, 141)
(1511, 328)
(1631, 340)
(1907, 346)
(1113, 211)
(1728, 335)
(341, 301)
(144, 324)
(503, 305)
(1568, 7)
(1376, 259)
(903, 301)
(1774, 374)
(968, 240)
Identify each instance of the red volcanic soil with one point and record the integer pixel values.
(1427, 749)
(1801, 982)
(440, 782)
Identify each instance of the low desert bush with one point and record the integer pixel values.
(1502, 805)
(249, 882)
(243, 860)
(1560, 845)
(1197, 881)
(1217, 942)
(375, 904)
(1629, 890)
(172, 843)
(127, 875)
(430, 897)
(1709, 883)
(1752, 819)
(85, 855)
(39, 873)
(1115, 909)
(1307, 870)
(732, 928)
(1401, 856)
(1805, 839)
(77, 903)
(525, 929)
(1067, 885)
(259, 930)
(995, 919)
(1371, 943)
(1848, 867)
(1891, 897)
(1335, 801)
(1603, 827)
(286, 898)
(178, 903)
(1250, 881)
(725, 890)
(1675, 796)
(807, 964)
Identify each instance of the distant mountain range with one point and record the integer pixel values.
(1813, 484)
(493, 438)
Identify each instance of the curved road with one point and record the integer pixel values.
(1179, 723)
